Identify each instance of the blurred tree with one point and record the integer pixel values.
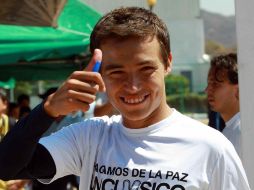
(23, 87)
(193, 103)
(214, 48)
(176, 84)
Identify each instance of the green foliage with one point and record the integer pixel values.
(179, 96)
(188, 103)
(23, 88)
(176, 84)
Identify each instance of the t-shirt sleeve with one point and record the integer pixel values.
(70, 146)
(228, 172)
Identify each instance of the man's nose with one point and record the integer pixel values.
(206, 89)
(132, 83)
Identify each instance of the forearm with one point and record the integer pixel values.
(19, 146)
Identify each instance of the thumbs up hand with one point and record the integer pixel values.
(78, 91)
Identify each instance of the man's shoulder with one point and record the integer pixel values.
(199, 132)
(188, 122)
(234, 124)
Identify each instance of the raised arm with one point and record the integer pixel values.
(19, 146)
(21, 156)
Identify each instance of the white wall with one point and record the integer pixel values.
(187, 40)
(245, 45)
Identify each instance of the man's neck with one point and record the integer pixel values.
(164, 112)
(226, 116)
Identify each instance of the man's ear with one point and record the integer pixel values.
(168, 68)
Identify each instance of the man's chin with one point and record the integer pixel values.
(135, 115)
(213, 108)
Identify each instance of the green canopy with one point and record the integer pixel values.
(8, 84)
(48, 53)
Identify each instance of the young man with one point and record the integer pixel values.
(223, 95)
(148, 146)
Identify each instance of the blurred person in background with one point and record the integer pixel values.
(223, 95)
(13, 110)
(6, 123)
(24, 111)
(23, 100)
(215, 120)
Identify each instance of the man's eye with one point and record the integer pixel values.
(216, 84)
(148, 69)
(116, 72)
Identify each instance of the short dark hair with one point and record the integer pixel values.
(22, 97)
(226, 63)
(127, 22)
(11, 107)
(24, 110)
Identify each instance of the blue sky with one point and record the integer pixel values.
(225, 7)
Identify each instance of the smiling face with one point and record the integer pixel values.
(133, 72)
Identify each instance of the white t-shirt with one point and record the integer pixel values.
(177, 153)
(233, 132)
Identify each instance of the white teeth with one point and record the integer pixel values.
(134, 100)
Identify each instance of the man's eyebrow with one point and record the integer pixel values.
(119, 66)
(112, 66)
(146, 63)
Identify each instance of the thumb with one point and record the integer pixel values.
(97, 57)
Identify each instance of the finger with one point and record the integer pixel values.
(80, 86)
(81, 96)
(86, 77)
(97, 57)
(78, 105)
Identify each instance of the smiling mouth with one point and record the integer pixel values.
(136, 100)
